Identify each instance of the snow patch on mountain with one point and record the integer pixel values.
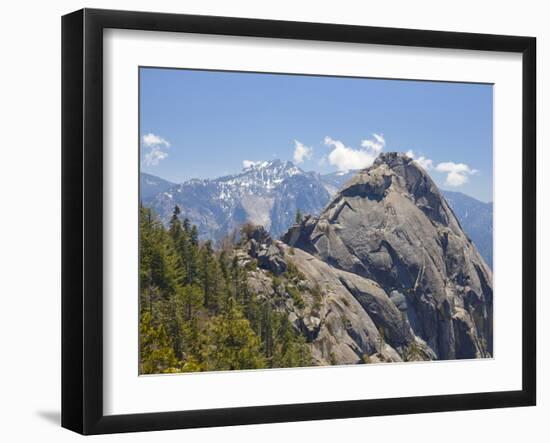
(266, 193)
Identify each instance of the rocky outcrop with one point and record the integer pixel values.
(345, 318)
(393, 243)
(260, 246)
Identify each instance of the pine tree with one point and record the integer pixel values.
(159, 264)
(186, 225)
(217, 286)
(156, 353)
(267, 330)
(205, 258)
(299, 217)
(175, 229)
(196, 310)
(189, 248)
(192, 301)
(290, 349)
(233, 343)
(194, 236)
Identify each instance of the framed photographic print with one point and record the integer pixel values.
(269, 221)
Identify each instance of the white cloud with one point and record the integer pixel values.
(154, 144)
(425, 162)
(346, 158)
(380, 138)
(249, 163)
(457, 173)
(301, 152)
(150, 140)
(154, 156)
(376, 144)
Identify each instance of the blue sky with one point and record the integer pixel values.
(206, 124)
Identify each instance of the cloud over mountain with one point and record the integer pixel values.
(301, 152)
(457, 174)
(346, 158)
(153, 145)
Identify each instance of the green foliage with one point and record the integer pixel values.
(252, 265)
(276, 283)
(234, 345)
(293, 273)
(366, 359)
(158, 259)
(346, 323)
(299, 217)
(296, 296)
(316, 292)
(413, 352)
(290, 349)
(197, 312)
(156, 354)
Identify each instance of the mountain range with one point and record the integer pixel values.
(270, 193)
(267, 194)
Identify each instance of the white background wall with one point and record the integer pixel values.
(30, 218)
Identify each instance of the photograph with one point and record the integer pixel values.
(291, 221)
(267, 222)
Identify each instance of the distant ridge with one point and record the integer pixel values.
(476, 218)
(151, 185)
(267, 193)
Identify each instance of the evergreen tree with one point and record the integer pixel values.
(156, 354)
(205, 255)
(196, 310)
(290, 349)
(299, 216)
(159, 265)
(234, 345)
(190, 253)
(175, 230)
(217, 286)
(267, 330)
(194, 236)
(186, 225)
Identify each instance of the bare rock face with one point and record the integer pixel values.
(345, 318)
(405, 260)
(269, 255)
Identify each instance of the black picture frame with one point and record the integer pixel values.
(82, 218)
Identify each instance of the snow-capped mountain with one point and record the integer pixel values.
(151, 185)
(267, 193)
